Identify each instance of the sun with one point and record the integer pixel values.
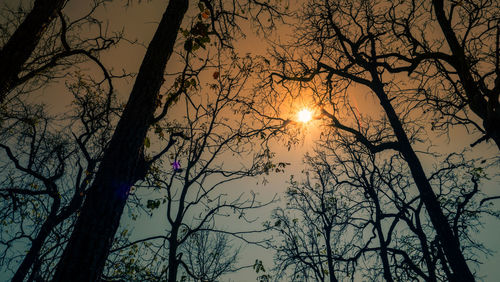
(305, 115)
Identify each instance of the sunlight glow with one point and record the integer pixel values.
(304, 115)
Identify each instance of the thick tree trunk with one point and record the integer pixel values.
(449, 241)
(123, 162)
(21, 44)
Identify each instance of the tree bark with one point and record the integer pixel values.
(21, 44)
(123, 162)
(449, 241)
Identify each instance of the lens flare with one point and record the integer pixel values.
(304, 115)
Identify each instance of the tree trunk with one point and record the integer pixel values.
(21, 44)
(52, 221)
(123, 162)
(329, 255)
(383, 244)
(173, 264)
(449, 241)
(32, 255)
(430, 263)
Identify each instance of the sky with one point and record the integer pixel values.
(139, 21)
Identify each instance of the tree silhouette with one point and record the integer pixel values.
(459, 70)
(23, 42)
(123, 162)
(116, 162)
(47, 170)
(369, 205)
(358, 214)
(213, 127)
(56, 162)
(208, 258)
(27, 62)
(346, 48)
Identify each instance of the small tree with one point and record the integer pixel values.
(311, 232)
(209, 255)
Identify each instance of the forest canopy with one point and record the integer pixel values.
(244, 140)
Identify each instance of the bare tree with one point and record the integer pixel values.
(23, 42)
(123, 162)
(42, 48)
(209, 255)
(345, 48)
(110, 183)
(311, 229)
(213, 127)
(46, 171)
(458, 69)
(377, 225)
